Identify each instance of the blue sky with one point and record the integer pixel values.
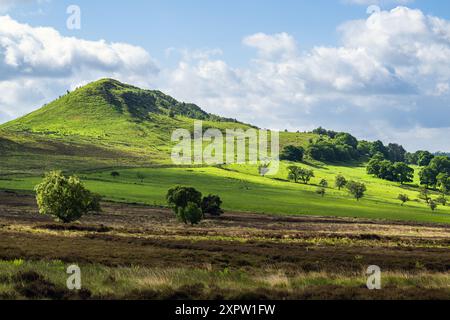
(294, 64)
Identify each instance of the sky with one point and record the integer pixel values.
(379, 69)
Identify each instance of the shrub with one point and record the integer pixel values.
(323, 183)
(211, 205)
(115, 174)
(340, 182)
(65, 197)
(292, 153)
(432, 204)
(190, 214)
(403, 198)
(321, 192)
(140, 177)
(179, 197)
(356, 189)
(442, 200)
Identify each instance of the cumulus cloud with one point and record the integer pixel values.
(38, 64)
(391, 73)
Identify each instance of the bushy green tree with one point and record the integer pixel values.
(292, 153)
(356, 189)
(190, 214)
(212, 205)
(179, 197)
(340, 182)
(428, 177)
(65, 197)
(323, 183)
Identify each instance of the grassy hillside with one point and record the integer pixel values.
(104, 124)
(242, 189)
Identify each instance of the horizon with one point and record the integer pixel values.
(378, 75)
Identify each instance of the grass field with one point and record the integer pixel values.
(236, 256)
(242, 189)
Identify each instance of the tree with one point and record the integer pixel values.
(321, 191)
(403, 198)
(190, 214)
(140, 177)
(432, 204)
(346, 139)
(443, 182)
(440, 164)
(115, 174)
(442, 200)
(396, 152)
(292, 153)
(65, 197)
(211, 205)
(294, 174)
(424, 195)
(428, 177)
(323, 183)
(424, 158)
(403, 173)
(305, 175)
(340, 181)
(297, 173)
(356, 189)
(179, 198)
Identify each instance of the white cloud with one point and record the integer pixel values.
(392, 69)
(37, 64)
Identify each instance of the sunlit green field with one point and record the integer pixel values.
(242, 189)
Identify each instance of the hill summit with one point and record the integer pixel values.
(107, 115)
(103, 102)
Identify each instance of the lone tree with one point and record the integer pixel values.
(340, 182)
(425, 195)
(115, 174)
(211, 205)
(433, 205)
(323, 183)
(306, 175)
(403, 198)
(65, 197)
(321, 191)
(356, 189)
(140, 177)
(179, 198)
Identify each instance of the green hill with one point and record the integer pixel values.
(104, 123)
